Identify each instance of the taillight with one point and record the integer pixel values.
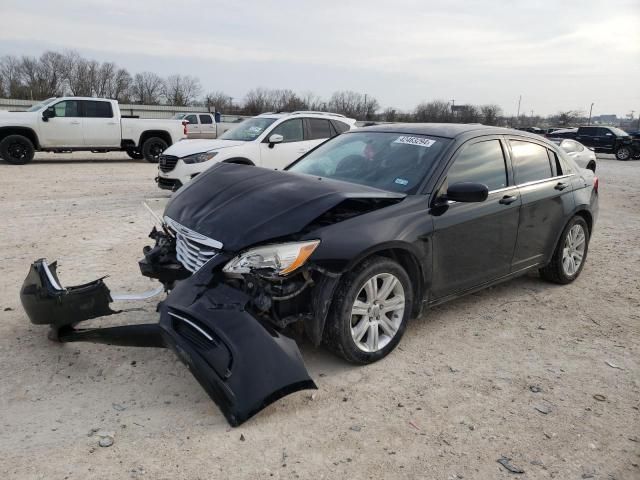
(184, 125)
(595, 183)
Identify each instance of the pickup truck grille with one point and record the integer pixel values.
(167, 162)
(193, 250)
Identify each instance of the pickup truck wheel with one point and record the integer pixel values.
(135, 154)
(623, 153)
(152, 148)
(16, 149)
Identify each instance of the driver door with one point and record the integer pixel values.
(65, 129)
(279, 155)
(473, 243)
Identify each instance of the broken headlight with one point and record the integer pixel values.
(281, 258)
(199, 157)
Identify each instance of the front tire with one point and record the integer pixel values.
(370, 311)
(570, 254)
(16, 149)
(623, 153)
(152, 148)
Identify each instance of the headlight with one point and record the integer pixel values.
(282, 258)
(199, 157)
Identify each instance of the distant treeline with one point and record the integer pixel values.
(68, 73)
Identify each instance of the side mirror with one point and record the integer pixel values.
(48, 113)
(467, 192)
(275, 138)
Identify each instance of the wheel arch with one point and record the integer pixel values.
(408, 259)
(147, 134)
(24, 131)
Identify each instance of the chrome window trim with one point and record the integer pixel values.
(535, 182)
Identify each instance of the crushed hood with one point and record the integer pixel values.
(189, 147)
(241, 205)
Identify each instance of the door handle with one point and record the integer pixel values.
(75, 123)
(561, 186)
(303, 150)
(508, 199)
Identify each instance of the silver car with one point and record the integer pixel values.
(585, 157)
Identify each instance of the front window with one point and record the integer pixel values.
(41, 105)
(481, 162)
(248, 130)
(390, 161)
(67, 108)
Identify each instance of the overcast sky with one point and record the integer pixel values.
(559, 55)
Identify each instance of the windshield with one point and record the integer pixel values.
(248, 130)
(391, 161)
(179, 116)
(40, 105)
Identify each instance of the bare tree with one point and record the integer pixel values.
(11, 76)
(434, 111)
(566, 119)
(218, 100)
(122, 84)
(491, 114)
(353, 104)
(256, 101)
(181, 90)
(147, 88)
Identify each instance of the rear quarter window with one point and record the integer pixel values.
(530, 162)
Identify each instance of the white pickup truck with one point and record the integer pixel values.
(208, 125)
(82, 123)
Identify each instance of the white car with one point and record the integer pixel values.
(585, 157)
(271, 140)
(83, 123)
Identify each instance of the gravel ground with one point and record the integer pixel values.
(545, 375)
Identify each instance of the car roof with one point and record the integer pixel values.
(309, 113)
(446, 130)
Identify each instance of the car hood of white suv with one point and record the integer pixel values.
(190, 147)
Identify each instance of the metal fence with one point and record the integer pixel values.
(142, 111)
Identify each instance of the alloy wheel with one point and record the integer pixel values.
(573, 251)
(377, 312)
(623, 153)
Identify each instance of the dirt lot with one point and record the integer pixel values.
(460, 393)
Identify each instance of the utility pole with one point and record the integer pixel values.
(590, 111)
(518, 114)
(365, 107)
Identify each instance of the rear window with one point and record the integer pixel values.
(97, 109)
(530, 162)
(340, 127)
(318, 129)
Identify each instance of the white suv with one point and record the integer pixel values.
(271, 140)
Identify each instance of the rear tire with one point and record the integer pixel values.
(16, 149)
(368, 337)
(135, 154)
(573, 244)
(623, 153)
(152, 148)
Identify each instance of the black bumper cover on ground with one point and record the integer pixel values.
(242, 363)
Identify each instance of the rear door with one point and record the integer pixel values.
(65, 129)
(279, 155)
(207, 126)
(473, 243)
(547, 200)
(193, 129)
(100, 128)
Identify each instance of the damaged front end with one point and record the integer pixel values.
(243, 363)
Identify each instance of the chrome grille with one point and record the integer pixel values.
(192, 249)
(167, 162)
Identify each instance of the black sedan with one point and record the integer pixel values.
(353, 240)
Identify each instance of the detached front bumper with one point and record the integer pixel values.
(243, 363)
